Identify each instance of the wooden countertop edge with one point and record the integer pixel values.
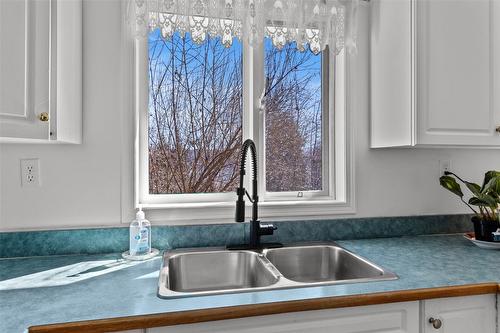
(233, 312)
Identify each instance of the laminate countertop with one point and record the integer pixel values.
(96, 293)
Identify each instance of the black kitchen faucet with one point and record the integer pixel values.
(257, 229)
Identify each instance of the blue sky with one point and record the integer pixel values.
(237, 47)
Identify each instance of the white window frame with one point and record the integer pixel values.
(219, 207)
(329, 190)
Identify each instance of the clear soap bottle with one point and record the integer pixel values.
(140, 235)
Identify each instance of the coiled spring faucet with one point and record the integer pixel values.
(257, 229)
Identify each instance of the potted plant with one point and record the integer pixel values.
(484, 202)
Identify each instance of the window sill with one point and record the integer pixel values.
(223, 212)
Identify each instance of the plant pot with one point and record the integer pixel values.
(483, 229)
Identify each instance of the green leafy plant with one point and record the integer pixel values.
(485, 198)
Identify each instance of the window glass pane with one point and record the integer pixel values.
(293, 119)
(195, 115)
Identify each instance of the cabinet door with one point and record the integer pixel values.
(457, 68)
(24, 68)
(461, 314)
(394, 318)
(391, 73)
(40, 71)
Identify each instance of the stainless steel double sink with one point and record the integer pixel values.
(209, 271)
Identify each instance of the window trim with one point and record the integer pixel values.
(220, 207)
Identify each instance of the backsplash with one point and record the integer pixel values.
(109, 240)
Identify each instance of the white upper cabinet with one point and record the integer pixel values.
(24, 67)
(40, 71)
(435, 73)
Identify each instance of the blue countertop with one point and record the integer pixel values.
(56, 289)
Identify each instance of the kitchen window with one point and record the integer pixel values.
(198, 101)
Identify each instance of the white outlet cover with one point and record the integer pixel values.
(30, 172)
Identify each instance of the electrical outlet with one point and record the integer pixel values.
(30, 172)
(444, 165)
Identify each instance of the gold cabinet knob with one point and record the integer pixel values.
(44, 116)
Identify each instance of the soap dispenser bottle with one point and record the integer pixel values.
(140, 235)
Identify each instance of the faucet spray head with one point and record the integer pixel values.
(240, 205)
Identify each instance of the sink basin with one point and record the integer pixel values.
(213, 272)
(198, 272)
(310, 264)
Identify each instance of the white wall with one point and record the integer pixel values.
(82, 183)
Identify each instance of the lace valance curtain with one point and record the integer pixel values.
(311, 24)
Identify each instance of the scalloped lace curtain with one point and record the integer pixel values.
(311, 24)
